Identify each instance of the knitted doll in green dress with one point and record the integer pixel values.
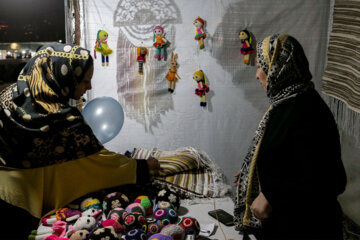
(102, 47)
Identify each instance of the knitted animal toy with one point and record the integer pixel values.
(172, 76)
(200, 34)
(246, 48)
(84, 222)
(102, 47)
(202, 89)
(160, 42)
(80, 235)
(142, 52)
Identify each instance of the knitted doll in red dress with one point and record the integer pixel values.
(246, 48)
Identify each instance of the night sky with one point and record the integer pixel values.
(32, 21)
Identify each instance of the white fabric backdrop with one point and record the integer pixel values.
(236, 102)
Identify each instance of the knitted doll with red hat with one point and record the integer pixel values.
(200, 34)
(160, 42)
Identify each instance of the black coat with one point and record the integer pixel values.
(300, 170)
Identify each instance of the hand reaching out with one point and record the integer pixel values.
(154, 165)
(236, 178)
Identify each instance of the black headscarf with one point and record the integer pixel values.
(283, 60)
(38, 127)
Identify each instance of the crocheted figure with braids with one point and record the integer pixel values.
(142, 52)
(102, 47)
(202, 89)
(200, 33)
(246, 48)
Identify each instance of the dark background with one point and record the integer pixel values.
(32, 21)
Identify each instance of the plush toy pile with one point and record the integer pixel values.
(120, 215)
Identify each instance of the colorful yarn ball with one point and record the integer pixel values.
(165, 216)
(168, 196)
(160, 236)
(190, 225)
(163, 204)
(175, 231)
(114, 200)
(151, 227)
(134, 221)
(135, 234)
(135, 207)
(117, 214)
(104, 233)
(147, 203)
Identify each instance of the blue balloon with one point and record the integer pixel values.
(105, 116)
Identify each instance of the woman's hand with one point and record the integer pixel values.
(154, 165)
(236, 177)
(260, 207)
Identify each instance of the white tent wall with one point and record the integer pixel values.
(154, 118)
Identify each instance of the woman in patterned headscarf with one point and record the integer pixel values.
(49, 156)
(291, 177)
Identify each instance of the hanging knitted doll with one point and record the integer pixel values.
(172, 76)
(202, 89)
(142, 52)
(246, 48)
(102, 47)
(160, 42)
(200, 33)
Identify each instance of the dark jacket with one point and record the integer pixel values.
(301, 172)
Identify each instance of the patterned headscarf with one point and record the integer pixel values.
(283, 60)
(38, 127)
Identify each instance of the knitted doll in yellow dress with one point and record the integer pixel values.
(172, 76)
(102, 47)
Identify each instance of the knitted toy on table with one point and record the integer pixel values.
(200, 34)
(135, 234)
(67, 214)
(134, 220)
(151, 227)
(107, 233)
(202, 89)
(175, 231)
(142, 52)
(102, 47)
(114, 200)
(117, 214)
(160, 42)
(167, 195)
(190, 225)
(160, 236)
(246, 48)
(172, 76)
(90, 202)
(165, 216)
(147, 203)
(80, 235)
(163, 204)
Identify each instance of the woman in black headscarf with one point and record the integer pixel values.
(291, 177)
(49, 156)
